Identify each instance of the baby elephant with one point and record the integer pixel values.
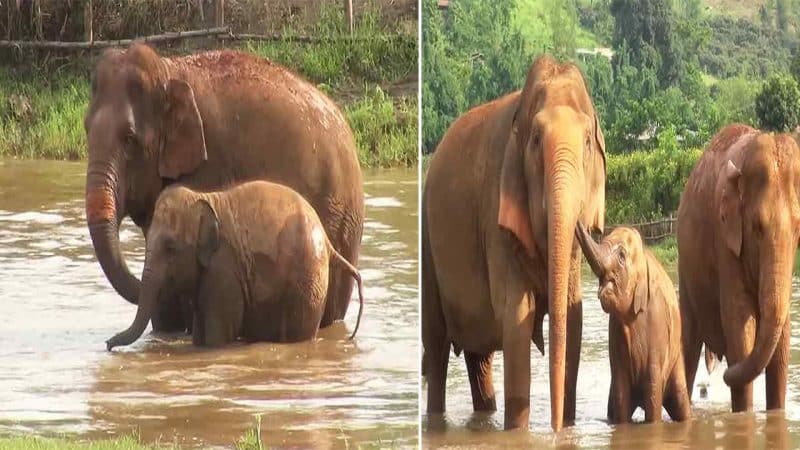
(254, 258)
(644, 327)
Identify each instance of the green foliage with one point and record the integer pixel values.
(372, 55)
(563, 22)
(42, 116)
(778, 103)
(739, 47)
(385, 130)
(646, 29)
(666, 251)
(472, 55)
(736, 100)
(644, 185)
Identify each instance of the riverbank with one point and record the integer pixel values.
(372, 77)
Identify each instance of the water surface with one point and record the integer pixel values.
(713, 425)
(57, 310)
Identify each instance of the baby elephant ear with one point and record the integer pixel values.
(208, 232)
(642, 295)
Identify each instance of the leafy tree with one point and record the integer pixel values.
(563, 21)
(647, 25)
(473, 56)
(736, 100)
(778, 103)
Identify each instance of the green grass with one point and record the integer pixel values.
(373, 55)
(40, 443)
(666, 251)
(385, 129)
(50, 124)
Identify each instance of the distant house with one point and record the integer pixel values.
(444, 4)
(598, 51)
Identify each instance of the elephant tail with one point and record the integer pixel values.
(356, 276)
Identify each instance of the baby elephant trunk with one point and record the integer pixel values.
(357, 276)
(143, 314)
(595, 255)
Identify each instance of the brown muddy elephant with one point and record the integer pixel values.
(738, 228)
(644, 327)
(255, 257)
(504, 191)
(209, 120)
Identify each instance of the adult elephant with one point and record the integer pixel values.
(503, 194)
(209, 120)
(738, 229)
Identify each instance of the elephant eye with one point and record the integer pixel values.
(621, 255)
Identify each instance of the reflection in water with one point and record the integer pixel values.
(58, 309)
(713, 425)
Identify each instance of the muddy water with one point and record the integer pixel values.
(57, 309)
(713, 425)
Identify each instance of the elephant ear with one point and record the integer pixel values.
(595, 169)
(641, 296)
(184, 143)
(207, 233)
(513, 213)
(730, 210)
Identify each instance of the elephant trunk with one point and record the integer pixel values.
(773, 303)
(562, 180)
(594, 254)
(143, 313)
(103, 206)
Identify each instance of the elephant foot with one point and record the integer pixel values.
(517, 413)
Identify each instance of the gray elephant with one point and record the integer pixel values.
(255, 257)
(644, 328)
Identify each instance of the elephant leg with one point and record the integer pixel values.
(778, 370)
(690, 342)
(653, 397)
(435, 343)
(677, 401)
(610, 406)
(574, 336)
(621, 404)
(345, 235)
(739, 323)
(517, 361)
(479, 369)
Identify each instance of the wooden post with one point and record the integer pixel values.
(348, 14)
(87, 21)
(219, 13)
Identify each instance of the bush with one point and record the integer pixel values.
(778, 104)
(644, 185)
(386, 133)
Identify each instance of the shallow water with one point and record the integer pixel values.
(713, 425)
(57, 310)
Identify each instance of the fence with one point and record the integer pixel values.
(653, 231)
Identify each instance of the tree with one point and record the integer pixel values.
(642, 25)
(778, 103)
(563, 22)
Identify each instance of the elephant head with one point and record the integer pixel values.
(759, 222)
(621, 266)
(183, 237)
(143, 130)
(553, 174)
